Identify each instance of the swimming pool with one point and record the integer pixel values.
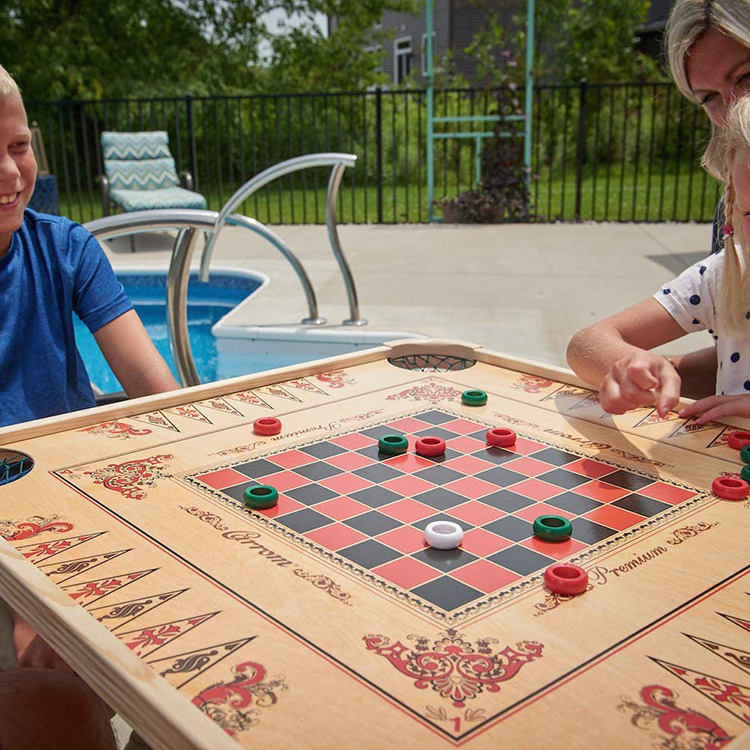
(221, 347)
(208, 302)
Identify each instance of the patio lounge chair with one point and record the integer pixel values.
(141, 174)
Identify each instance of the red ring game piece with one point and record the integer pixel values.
(430, 446)
(738, 439)
(566, 579)
(267, 426)
(501, 437)
(730, 488)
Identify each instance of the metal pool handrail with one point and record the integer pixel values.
(339, 162)
(189, 222)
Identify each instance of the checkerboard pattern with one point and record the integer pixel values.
(371, 509)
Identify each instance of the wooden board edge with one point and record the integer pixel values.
(137, 693)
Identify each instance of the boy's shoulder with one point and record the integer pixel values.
(33, 220)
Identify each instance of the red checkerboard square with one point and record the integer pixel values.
(471, 487)
(483, 543)
(345, 484)
(349, 461)
(536, 489)
(589, 468)
(528, 466)
(408, 425)
(292, 459)
(468, 465)
(285, 505)
(336, 536)
(341, 508)
(405, 539)
(485, 576)
(556, 550)
(407, 572)
(463, 426)
(354, 441)
(465, 445)
(666, 493)
(524, 446)
(614, 517)
(605, 493)
(476, 513)
(409, 462)
(284, 480)
(408, 485)
(222, 478)
(407, 510)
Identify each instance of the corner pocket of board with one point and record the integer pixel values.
(14, 465)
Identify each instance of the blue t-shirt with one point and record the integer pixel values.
(53, 268)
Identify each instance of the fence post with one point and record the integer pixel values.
(192, 150)
(581, 145)
(379, 149)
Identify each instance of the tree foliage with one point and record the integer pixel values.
(114, 48)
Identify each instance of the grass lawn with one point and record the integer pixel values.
(611, 194)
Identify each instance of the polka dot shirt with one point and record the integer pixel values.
(691, 300)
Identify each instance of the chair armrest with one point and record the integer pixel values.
(187, 180)
(104, 189)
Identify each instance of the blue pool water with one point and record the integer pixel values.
(207, 303)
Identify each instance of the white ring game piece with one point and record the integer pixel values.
(443, 534)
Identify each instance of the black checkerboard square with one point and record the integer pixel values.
(521, 560)
(378, 473)
(375, 497)
(506, 500)
(447, 593)
(423, 523)
(323, 450)
(380, 430)
(440, 498)
(257, 469)
(439, 475)
(317, 471)
(437, 432)
(627, 480)
(511, 528)
(445, 560)
(309, 494)
(434, 417)
(565, 479)
(574, 503)
(500, 476)
(590, 532)
(306, 519)
(644, 506)
(555, 457)
(369, 554)
(373, 523)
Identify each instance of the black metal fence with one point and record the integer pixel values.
(619, 152)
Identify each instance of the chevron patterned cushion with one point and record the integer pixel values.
(171, 197)
(149, 174)
(152, 144)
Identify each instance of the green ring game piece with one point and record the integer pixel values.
(745, 473)
(393, 445)
(261, 496)
(552, 528)
(745, 454)
(474, 398)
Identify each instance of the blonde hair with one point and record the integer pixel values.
(8, 85)
(734, 146)
(688, 21)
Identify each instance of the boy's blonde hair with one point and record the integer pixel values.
(8, 85)
(733, 145)
(688, 21)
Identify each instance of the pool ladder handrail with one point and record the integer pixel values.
(339, 162)
(189, 222)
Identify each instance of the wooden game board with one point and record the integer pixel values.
(326, 622)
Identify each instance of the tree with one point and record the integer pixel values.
(116, 48)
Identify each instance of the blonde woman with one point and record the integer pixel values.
(708, 44)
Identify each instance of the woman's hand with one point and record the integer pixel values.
(640, 378)
(715, 407)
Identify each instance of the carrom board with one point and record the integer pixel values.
(326, 621)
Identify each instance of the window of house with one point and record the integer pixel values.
(403, 57)
(424, 52)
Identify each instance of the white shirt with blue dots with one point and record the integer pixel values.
(691, 300)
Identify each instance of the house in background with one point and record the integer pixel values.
(403, 39)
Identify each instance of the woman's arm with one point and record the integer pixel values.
(133, 357)
(614, 354)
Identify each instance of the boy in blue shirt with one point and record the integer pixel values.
(50, 268)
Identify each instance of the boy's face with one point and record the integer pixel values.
(17, 167)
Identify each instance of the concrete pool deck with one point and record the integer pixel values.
(522, 290)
